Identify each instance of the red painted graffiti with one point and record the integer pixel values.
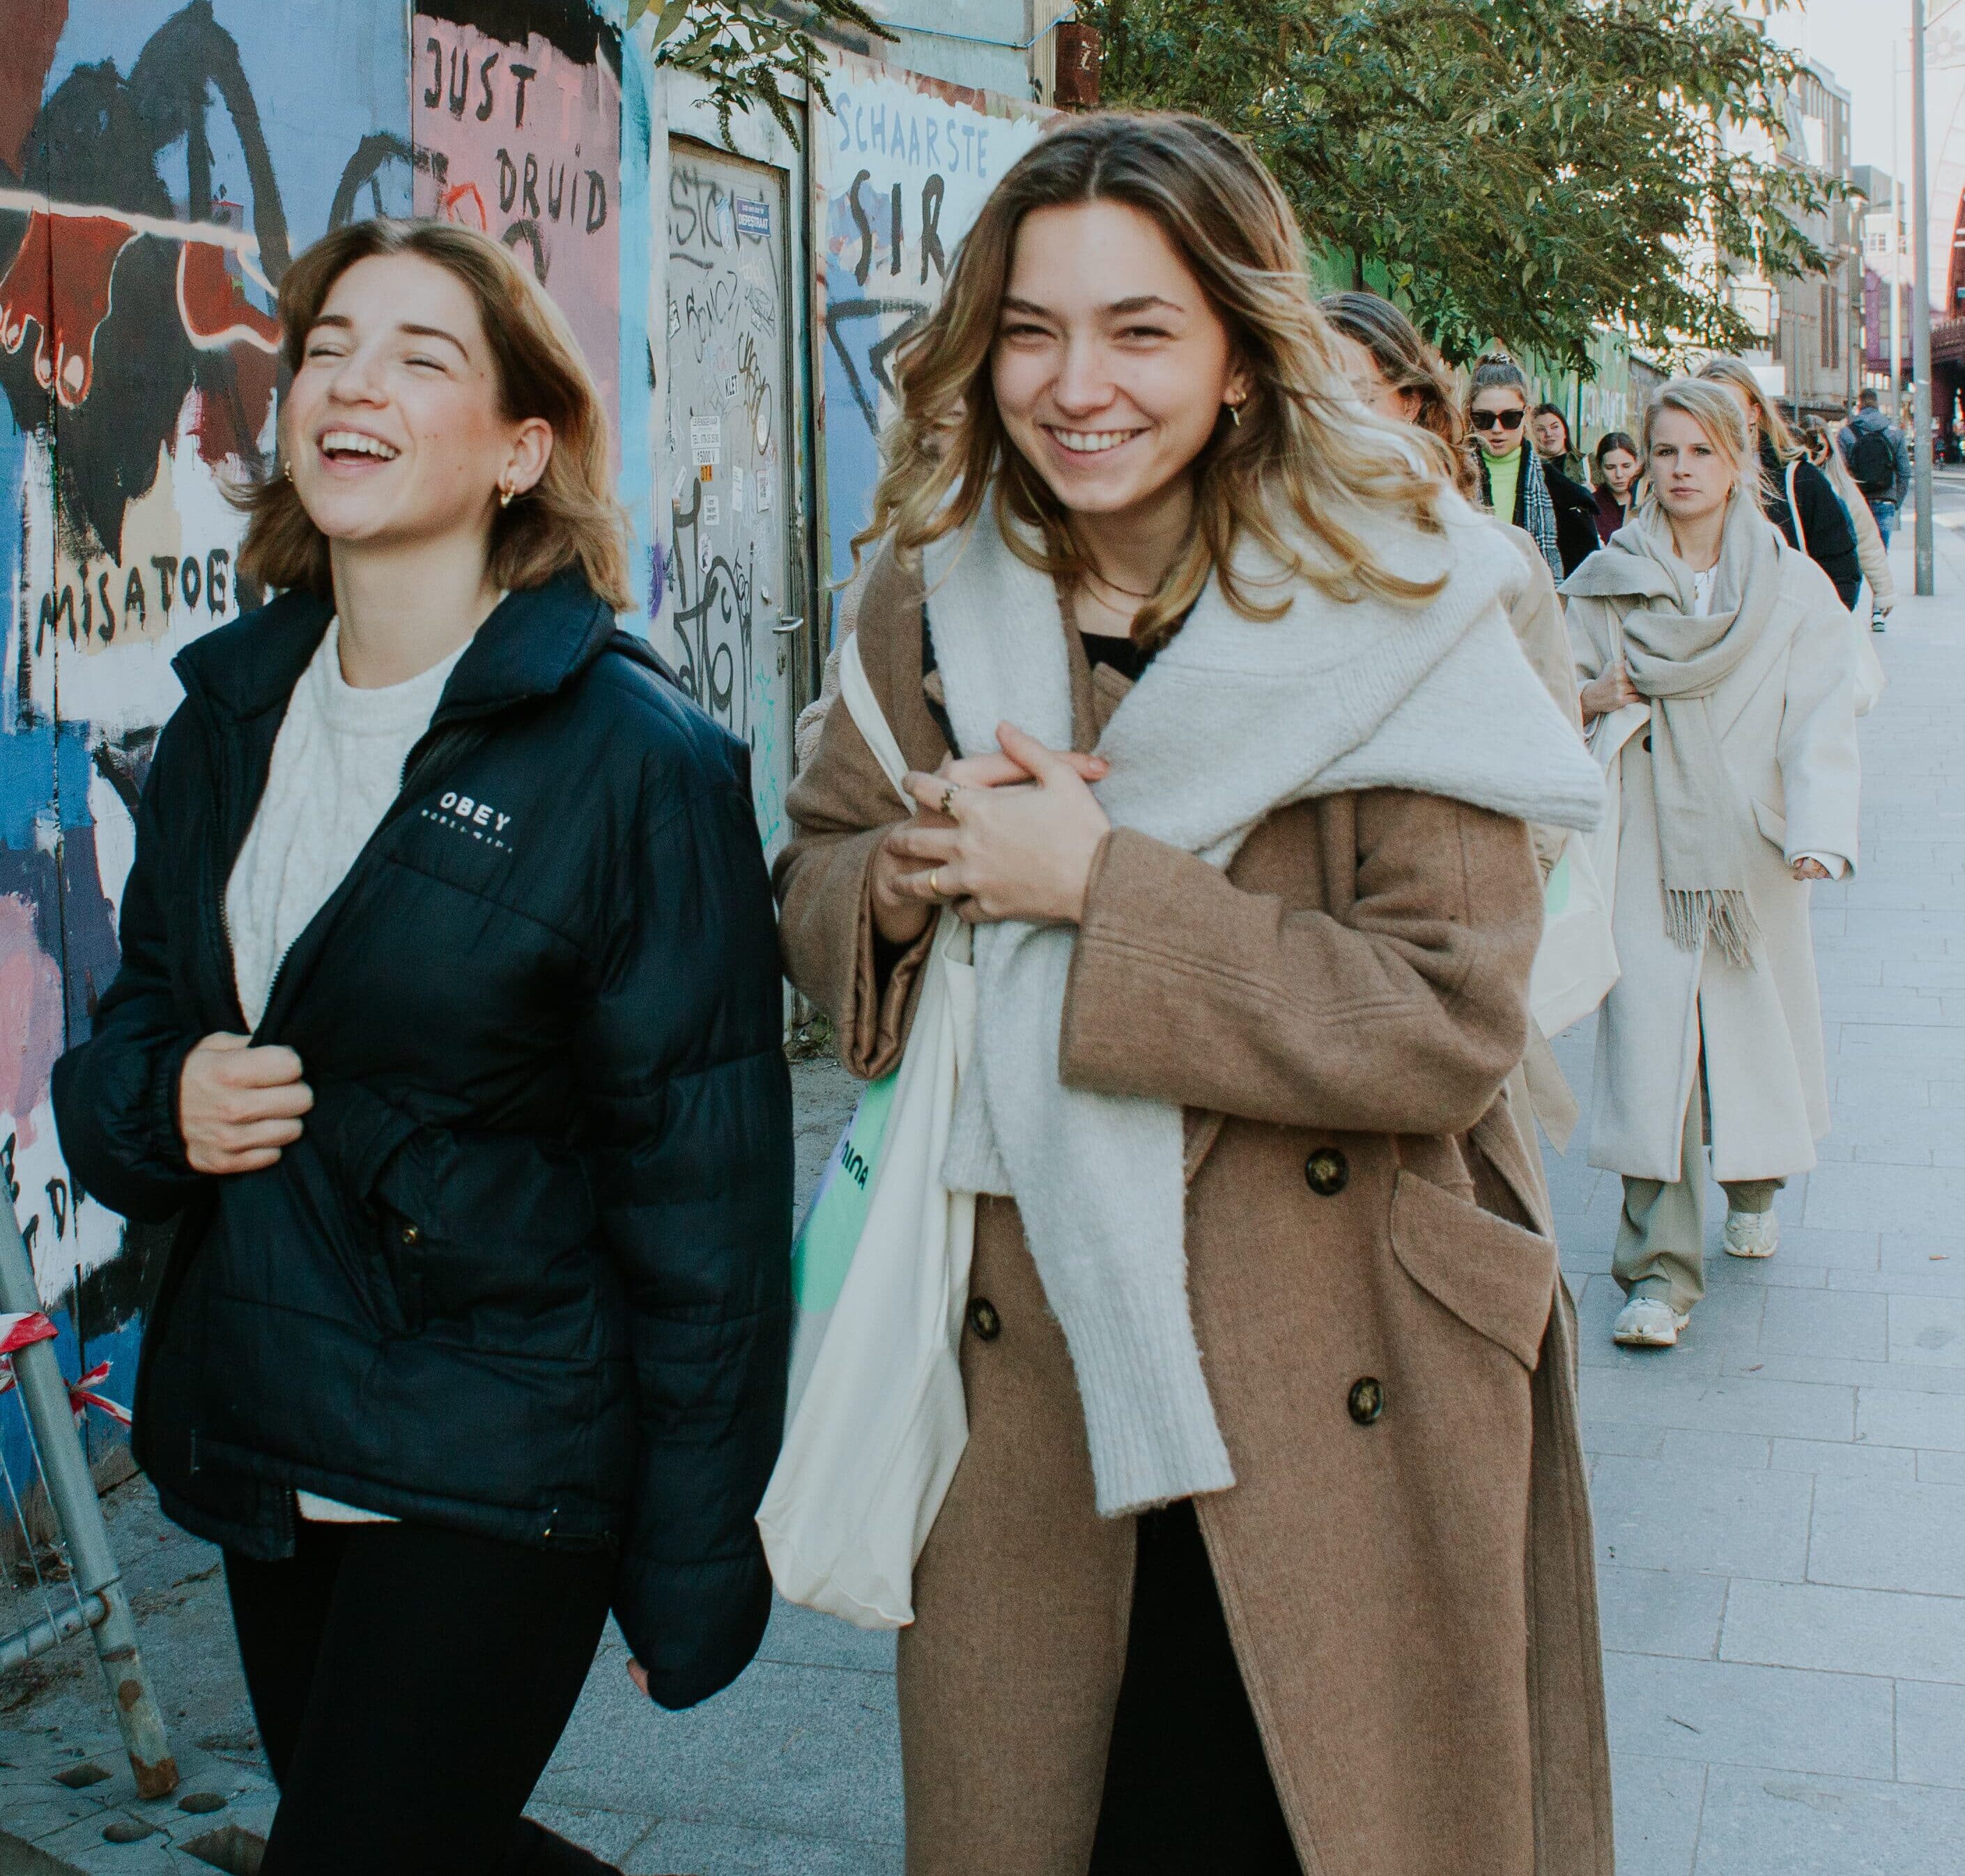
(213, 306)
(59, 283)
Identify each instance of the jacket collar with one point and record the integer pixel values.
(534, 643)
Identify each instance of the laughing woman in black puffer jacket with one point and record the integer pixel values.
(448, 1023)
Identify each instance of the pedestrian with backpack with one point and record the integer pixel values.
(1879, 459)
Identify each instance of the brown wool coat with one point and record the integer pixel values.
(1412, 1601)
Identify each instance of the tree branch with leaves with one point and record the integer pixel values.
(1529, 170)
(746, 54)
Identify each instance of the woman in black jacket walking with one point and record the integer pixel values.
(1560, 517)
(448, 1023)
(1794, 493)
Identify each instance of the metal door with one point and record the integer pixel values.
(731, 615)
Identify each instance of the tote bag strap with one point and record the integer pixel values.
(864, 708)
(1794, 508)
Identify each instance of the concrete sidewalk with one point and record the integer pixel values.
(1781, 1501)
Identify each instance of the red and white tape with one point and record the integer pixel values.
(19, 1332)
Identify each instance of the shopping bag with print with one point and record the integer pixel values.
(880, 1423)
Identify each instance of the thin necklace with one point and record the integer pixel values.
(1113, 585)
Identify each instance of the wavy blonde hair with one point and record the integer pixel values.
(1305, 458)
(568, 519)
(1773, 426)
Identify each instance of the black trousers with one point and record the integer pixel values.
(1187, 1786)
(410, 1685)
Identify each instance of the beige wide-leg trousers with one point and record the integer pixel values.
(1661, 1236)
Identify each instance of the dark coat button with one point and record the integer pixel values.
(1328, 1171)
(1368, 1399)
(412, 1236)
(984, 1320)
(1647, 744)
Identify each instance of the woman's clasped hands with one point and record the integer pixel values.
(1001, 836)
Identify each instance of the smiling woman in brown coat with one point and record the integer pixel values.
(1270, 1550)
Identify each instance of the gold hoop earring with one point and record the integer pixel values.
(1235, 414)
(506, 492)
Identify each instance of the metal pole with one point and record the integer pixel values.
(72, 1491)
(1920, 310)
(1896, 249)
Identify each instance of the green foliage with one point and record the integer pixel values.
(745, 52)
(1524, 169)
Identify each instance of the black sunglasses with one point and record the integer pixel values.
(1508, 420)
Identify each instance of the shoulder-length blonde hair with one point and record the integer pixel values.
(1716, 411)
(570, 518)
(1304, 460)
(1773, 426)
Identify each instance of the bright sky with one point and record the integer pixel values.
(1857, 40)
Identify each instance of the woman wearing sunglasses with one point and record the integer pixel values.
(1513, 482)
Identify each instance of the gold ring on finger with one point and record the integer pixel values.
(934, 882)
(948, 794)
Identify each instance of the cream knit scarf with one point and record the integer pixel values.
(1232, 719)
(1678, 658)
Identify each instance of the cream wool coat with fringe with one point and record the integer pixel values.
(1786, 724)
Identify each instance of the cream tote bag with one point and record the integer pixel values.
(880, 1426)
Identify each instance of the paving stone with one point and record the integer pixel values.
(1893, 1198)
(1937, 1468)
(1757, 1823)
(1845, 1631)
(726, 1850)
(1897, 1416)
(1655, 1516)
(1930, 1732)
(1658, 1394)
(1846, 1324)
(1845, 1460)
(1610, 1436)
(611, 1836)
(1928, 1330)
(1724, 1712)
(1873, 1534)
(1743, 1451)
(1656, 1803)
(1660, 1612)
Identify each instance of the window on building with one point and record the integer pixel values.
(1828, 323)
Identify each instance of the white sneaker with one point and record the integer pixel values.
(1752, 1234)
(1645, 1322)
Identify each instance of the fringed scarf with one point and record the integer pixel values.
(1537, 511)
(1677, 658)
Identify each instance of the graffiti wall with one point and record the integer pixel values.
(900, 170)
(160, 164)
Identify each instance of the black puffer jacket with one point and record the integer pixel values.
(525, 1271)
(1831, 542)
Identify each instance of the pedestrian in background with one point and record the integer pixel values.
(1558, 517)
(1738, 788)
(1393, 370)
(449, 1021)
(1872, 554)
(1396, 373)
(1878, 458)
(1795, 495)
(1548, 430)
(1243, 1439)
(1619, 470)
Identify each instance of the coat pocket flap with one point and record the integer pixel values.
(1772, 826)
(1497, 1278)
